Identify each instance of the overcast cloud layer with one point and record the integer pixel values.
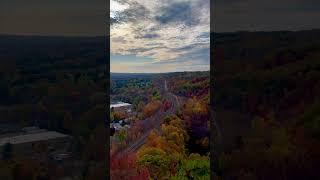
(170, 35)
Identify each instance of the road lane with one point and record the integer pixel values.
(155, 121)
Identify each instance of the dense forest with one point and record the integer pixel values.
(59, 84)
(131, 88)
(266, 100)
(179, 149)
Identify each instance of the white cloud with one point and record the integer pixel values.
(163, 30)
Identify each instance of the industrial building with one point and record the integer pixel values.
(28, 141)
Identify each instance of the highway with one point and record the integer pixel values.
(154, 122)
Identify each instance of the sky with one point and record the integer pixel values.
(155, 35)
(149, 36)
(53, 17)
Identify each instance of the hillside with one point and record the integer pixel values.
(267, 104)
(56, 83)
(168, 127)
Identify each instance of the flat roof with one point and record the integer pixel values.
(27, 138)
(120, 104)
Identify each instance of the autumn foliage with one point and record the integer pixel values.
(166, 105)
(164, 154)
(151, 108)
(167, 154)
(125, 168)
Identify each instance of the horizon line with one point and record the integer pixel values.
(106, 35)
(158, 72)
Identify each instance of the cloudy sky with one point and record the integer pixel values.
(160, 35)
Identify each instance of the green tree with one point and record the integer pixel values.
(156, 160)
(156, 95)
(195, 167)
(122, 135)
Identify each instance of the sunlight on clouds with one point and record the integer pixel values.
(116, 7)
(162, 30)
